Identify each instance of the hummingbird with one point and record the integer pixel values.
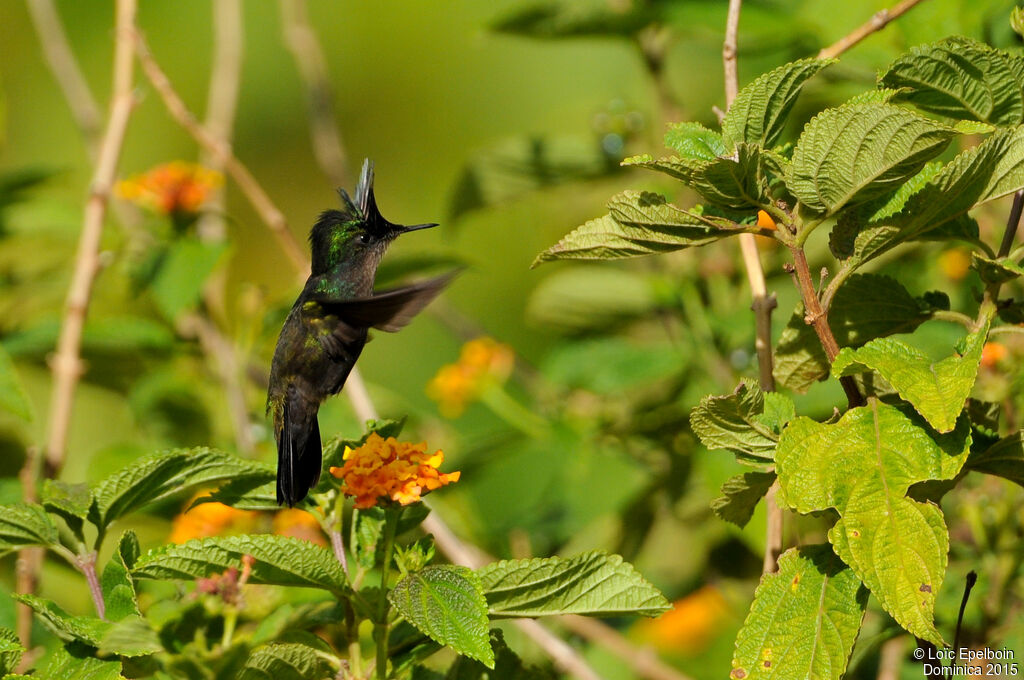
(327, 327)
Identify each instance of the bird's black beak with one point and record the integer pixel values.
(367, 204)
(401, 229)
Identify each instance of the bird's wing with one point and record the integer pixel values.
(388, 310)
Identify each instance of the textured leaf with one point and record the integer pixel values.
(12, 395)
(131, 636)
(867, 306)
(760, 110)
(116, 581)
(69, 501)
(249, 494)
(87, 629)
(78, 661)
(507, 666)
(742, 494)
(23, 525)
(640, 223)
(804, 619)
(289, 661)
(732, 422)
(937, 389)
(1004, 459)
(592, 583)
(277, 561)
(735, 183)
(854, 153)
(10, 651)
(447, 604)
(693, 140)
(999, 270)
(862, 466)
(960, 78)
(162, 475)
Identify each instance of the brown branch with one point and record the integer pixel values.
(877, 22)
(265, 208)
(302, 42)
(30, 560)
(762, 303)
(66, 364)
(54, 43)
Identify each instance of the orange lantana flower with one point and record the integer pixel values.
(387, 469)
(992, 353)
(483, 361)
(175, 188)
(298, 523)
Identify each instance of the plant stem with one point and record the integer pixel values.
(380, 627)
(877, 22)
(87, 564)
(817, 317)
(512, 412)
(335, 532)
(230, 620)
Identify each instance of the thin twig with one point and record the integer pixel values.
(268, 212)
(66, 364)
(302, 42)
(763, 304)
(890, 658)
(972, 578)
(54, 43)
(29, 559)
(87, 564)
(877, 22)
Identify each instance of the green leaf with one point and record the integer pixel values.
(742, 493)
(131, 636)
(23, 525)
(960, 78)
(854, 153)
(736, 183)
(163, 475)
(288, 661)
(804, 619)
(552, 19)
(447, 604)
(760, 111)
(10, 651)
(937, 389)
(78, 661)
(862, 466)
(12, 395)
(69, 501)
(278, 560)
(867, 306)
(582, 298)
(733, 422)
(693, 140)
(507, 666)
(610, 365)
(250, 493)
(1004, 459)
(116, 581)
(87, 629)
(640, 223)
(183, 273)
(999, 270)
(590, 584)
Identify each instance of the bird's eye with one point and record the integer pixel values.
(364, 238)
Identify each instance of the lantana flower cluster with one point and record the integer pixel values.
(175, 188)
(483, 361)
(383, 470)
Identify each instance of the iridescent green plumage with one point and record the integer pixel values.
(327, 327)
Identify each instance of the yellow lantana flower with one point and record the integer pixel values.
(384, 470)
(482, 361)
(175, 188)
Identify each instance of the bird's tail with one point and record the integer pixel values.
(299, 454)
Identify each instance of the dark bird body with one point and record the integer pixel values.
(327, 327)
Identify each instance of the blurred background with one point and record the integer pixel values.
(505, 122)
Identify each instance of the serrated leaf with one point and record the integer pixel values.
(854, 153)
(131, 636)
(867, 306)
(285, 661)
(10, 651)
(804, 619)
(23, 525)
(693, 140)
(75, 660)
(1004, 459)
(937, 389)
(739, 182)
(447, 604)
(592, 583)
(183, 273)
(760, 110)
(162, 475)
(12, 394)
(742, 493)
(996, 270)
(732, 422)
(116, 581)
(69, 501)
(249, 494)
(277, 560)
(960, 78)
(640, 223)
(862, 466)
(87, 629)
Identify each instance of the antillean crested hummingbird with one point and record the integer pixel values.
(328, 324)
